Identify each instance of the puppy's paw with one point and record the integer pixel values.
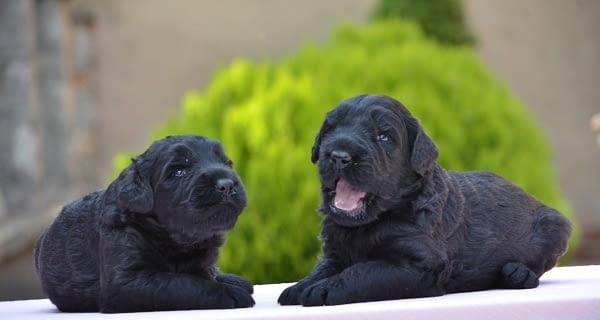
(330, 291)
(291, 295)
(235, 280)
(518, 276)
(237, 297)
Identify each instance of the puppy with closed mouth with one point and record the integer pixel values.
(149, 241)
(397, 225)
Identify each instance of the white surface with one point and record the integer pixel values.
(564, 293)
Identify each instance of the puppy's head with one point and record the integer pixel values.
(372, 155)
(187, 184)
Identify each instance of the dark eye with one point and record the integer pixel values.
(383, 138)
(179, 172)
(228, 163)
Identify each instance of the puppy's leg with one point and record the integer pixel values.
(372, 281)
(291, 295)
(235, 280)
(549, 241)
(129, 284)
(516, 275)
(168, 291)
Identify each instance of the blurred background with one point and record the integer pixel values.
(84, 80)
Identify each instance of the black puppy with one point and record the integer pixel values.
(151, 240)
(397, 225)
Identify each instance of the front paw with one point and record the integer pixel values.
(235, 280)
(237, 297)
(330, 291)
(291, 295)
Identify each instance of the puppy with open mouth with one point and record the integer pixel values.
(397, 225)
(149, 241)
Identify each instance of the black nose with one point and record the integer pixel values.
(340, 158)
(225, 186)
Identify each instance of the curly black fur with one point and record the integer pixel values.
(417, 230)
(151, 239)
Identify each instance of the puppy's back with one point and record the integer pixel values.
(66, 255)
(501, 205)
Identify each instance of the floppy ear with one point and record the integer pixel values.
(316, 148)
(424, 153)
(134, 191)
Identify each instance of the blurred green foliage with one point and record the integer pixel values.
(267, 114)
(442, 20)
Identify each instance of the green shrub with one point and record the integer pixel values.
(267, 114)
(442, 20)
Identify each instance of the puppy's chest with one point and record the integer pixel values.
(355, 246)
(389, 241)
(200, 263)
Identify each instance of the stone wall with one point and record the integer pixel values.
(47, 114)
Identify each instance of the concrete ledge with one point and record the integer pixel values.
(564, 293)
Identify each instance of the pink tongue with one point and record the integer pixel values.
(346, 197)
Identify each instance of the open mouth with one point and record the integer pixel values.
(347, 197)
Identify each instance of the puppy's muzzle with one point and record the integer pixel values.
(218, 185)
(226, 187)
(340, 159)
